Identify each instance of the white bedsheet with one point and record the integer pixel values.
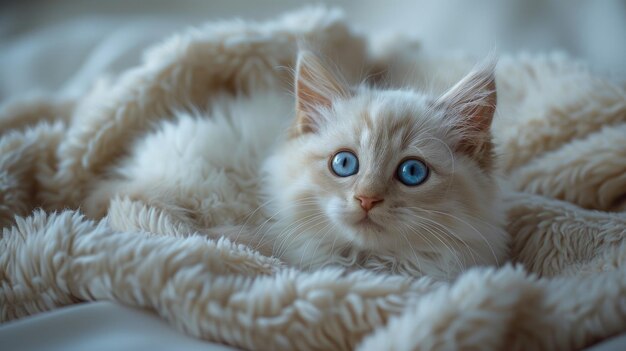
(99, 326)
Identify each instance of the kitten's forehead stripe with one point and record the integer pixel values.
(367, 117)
(402, 128)
(399, 130)
(313, 157)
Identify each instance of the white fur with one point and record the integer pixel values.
(203, 166)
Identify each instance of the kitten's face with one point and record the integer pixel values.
(386, 171)
(380, 165)
(400, 157)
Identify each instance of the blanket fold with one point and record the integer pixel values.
(560, 139)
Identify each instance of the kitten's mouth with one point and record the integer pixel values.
(367, 222)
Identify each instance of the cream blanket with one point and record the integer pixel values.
(561, 134)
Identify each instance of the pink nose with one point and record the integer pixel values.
(367, 203)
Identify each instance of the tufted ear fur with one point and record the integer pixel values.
(317, 87)
(470, 106)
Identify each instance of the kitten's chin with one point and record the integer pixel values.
(367, 232)
(362, 230)
(367, 224)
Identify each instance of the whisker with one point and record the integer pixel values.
(448, 231)
(291, 228)
(261, 227)
(448, 246)
(419, 265)
(468, 224)
(332, 226)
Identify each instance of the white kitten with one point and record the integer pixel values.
(389, 180)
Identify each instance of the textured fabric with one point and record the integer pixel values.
(560, 136)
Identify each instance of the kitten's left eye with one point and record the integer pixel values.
(345, 164)
(412, 172)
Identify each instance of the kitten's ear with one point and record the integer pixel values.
(470, 106)
(316, 88)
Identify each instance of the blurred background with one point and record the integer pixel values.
(61, 45)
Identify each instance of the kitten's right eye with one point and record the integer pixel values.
(344, 164)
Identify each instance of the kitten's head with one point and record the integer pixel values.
(392, 172)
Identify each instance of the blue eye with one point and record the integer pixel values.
(412, 172)
(345, 164)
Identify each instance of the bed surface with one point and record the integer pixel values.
(98, 326)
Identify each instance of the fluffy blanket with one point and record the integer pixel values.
(561, 139)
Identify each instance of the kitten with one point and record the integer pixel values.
(389, 180)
